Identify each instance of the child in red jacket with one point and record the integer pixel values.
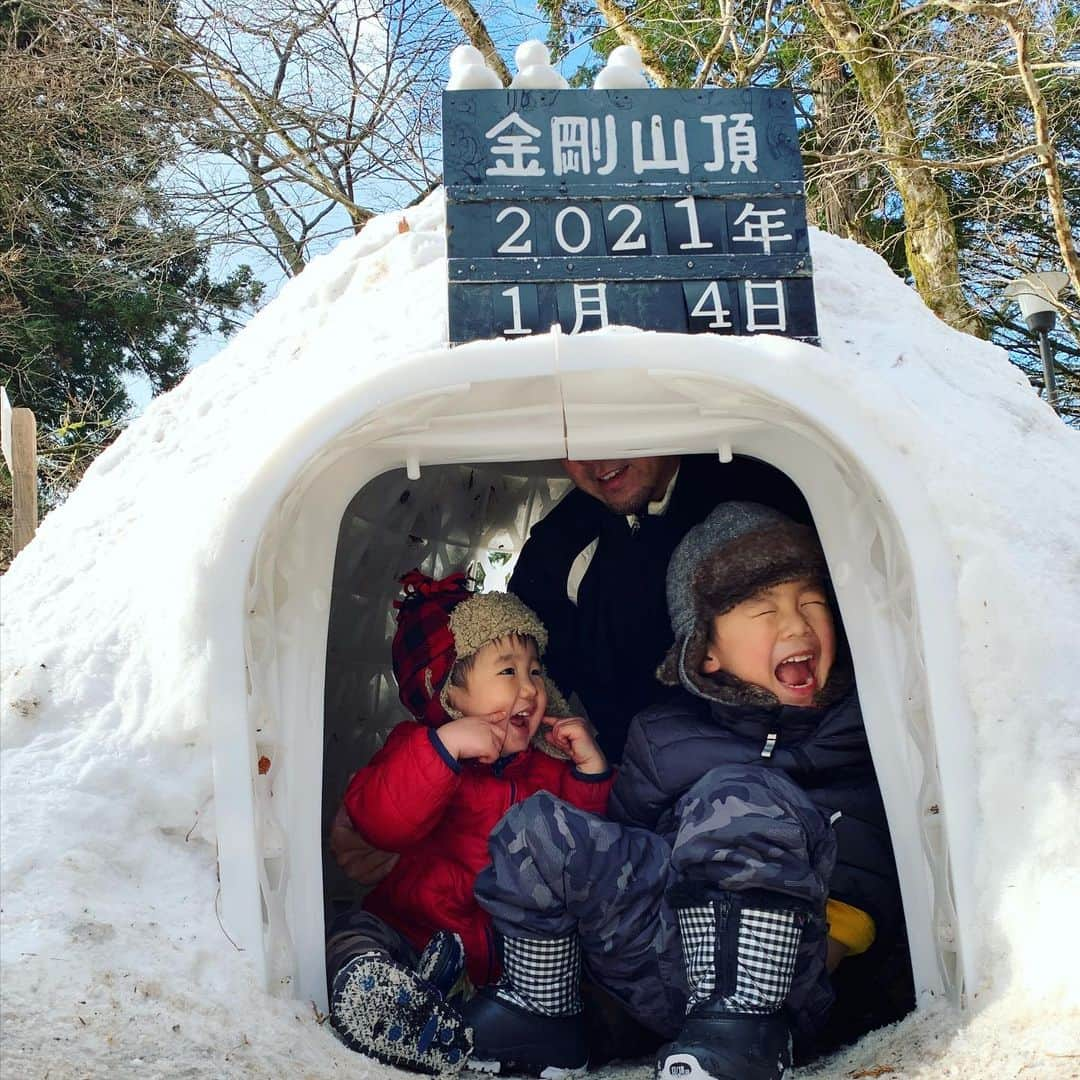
(489, 731)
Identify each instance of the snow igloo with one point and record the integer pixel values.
(196, 645)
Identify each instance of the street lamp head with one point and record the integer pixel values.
(1036, 293)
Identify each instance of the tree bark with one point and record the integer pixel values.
(478, 36)
(23, 478)
(1055, 191)
(290, 251)
(1044, 141)
(836, 184)
(619, 21)
(930, 234)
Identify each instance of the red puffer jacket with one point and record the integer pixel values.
(414, 798)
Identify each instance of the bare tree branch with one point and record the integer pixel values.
(930, 235)
(1045, 149)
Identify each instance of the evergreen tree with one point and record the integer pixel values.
(99, 277)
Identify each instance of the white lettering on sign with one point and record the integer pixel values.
(510, 245)
(742, 143)
(590, 145)
(514, 148)
(774, 304)
(759, 227)
(740, 148)
(570, 145)
(586, 230)
(717, 121)
(610, 141)
(696, 243)
(659, 160)
(720, 315)
(514, 293)
(624, 243)
(577, 142)
(590, 301)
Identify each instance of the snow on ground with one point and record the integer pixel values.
(114, 960)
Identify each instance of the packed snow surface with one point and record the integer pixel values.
(114, 959)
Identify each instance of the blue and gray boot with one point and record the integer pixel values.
(400, 1015)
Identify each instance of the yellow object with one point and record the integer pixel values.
(850, 926)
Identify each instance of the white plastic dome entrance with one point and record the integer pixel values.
(554, 397)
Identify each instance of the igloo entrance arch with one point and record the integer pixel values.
(595, 396)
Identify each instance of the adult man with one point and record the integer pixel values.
(593, 570)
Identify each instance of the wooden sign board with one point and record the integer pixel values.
(678, 210)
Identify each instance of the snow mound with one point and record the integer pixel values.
(115, 960)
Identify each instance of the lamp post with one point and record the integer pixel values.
(1036, 293)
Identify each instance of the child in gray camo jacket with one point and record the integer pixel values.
(748, 851)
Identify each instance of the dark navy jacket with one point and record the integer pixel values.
(823, 750)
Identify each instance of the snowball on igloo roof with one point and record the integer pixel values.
(623, 71)
(113, 629)
(469, 71)
(534, 70)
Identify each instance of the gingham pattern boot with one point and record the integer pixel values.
(385, 1010)
(531, 1021)
(740, 959)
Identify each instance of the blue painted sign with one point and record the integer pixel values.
(674, 210)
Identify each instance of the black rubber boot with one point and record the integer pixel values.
(510, 1039)
(727, 1046)
(531, 1021)
(740, 960)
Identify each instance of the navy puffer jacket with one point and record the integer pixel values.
(673, 744)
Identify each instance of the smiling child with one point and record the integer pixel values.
(746, 853)
(488, 731)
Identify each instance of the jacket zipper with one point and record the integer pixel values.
(491, 952)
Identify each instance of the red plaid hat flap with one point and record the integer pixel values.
(423, 649)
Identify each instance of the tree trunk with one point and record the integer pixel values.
(837, 198)
(289, 251)
(619, 21)
(478, 36)
(930, 234)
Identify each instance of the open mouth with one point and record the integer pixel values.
(521, 718)
(611, 476)
(797, 673)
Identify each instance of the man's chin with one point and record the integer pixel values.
(626, 504)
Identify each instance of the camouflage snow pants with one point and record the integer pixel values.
(741, 830)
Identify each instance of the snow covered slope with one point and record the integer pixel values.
(114, 959)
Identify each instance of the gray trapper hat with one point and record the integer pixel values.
(740, 549)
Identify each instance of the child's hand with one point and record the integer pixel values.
(479, 737)
(571, 735)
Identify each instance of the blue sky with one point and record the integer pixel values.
(509, 25)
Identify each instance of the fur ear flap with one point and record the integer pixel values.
(683, 659)
(668, 672)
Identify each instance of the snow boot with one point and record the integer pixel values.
(531, 1021)
(385, 1010)
(442, 964)
(740, 961)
